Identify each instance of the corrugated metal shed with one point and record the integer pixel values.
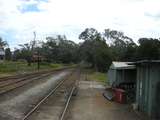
(122, 65)
(121, 72)
(148, 87)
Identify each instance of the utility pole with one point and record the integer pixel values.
(38, 63)
(34, 33)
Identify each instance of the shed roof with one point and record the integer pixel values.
(146, 62)
(122, 65)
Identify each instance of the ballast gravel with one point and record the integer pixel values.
(14, 105)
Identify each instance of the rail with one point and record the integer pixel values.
(41, 101)
(52, 93)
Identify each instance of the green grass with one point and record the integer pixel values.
(57, 65)
(11, 68)
(97, 76)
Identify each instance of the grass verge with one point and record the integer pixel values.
(97, 76)
(11, 68)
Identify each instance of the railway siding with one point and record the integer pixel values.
(55, 106)
(16, 103)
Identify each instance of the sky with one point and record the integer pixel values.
(20, 18)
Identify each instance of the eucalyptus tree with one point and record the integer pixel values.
(26, 52)
(149, 48)
(94, 49)
(3, 43)
(60, 50)
(122, 46)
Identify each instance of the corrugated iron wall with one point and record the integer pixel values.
(111, 76)
(116, 76)
(148, 80)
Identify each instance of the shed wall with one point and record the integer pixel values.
(117, 76)
(111, 76)
(148, 86)
(155, 90)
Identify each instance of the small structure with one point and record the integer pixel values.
(2, 54)
(35, 58)
(121, 72)
(148, 87)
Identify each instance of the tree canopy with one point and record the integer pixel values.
(3, 43)
(149, 48)
(94, 49)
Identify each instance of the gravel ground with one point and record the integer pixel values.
(89, 104)
(15, 104)
(52, 108)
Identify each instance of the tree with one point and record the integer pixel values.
(3, 43)
(60, 50)
(16, 54)
(26, 53)
(8, 54)
(89, 34)
(130, 52)
(67, 51)
(122, 47)
(94, 49)
(116, 35)
(149, 48)
(50, 49)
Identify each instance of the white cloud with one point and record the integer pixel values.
(70, 17)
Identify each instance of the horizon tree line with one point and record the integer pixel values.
(95, 50)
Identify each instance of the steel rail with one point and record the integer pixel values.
(75, 84)
(33, 73)
(41, 101)
(6, 83)
(67, 103)
(22, 76)
(20, 83)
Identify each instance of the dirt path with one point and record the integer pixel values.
(89, 104)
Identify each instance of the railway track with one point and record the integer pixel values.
(28, 74)
(12, 82)
(67, 103)
(61, 95)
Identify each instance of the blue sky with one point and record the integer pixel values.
(30, 8)
(20, 18)
(33, 7)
